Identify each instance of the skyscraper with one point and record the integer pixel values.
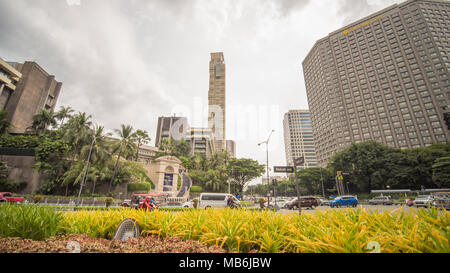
(298, 138)
(216, 100)
(384, 77)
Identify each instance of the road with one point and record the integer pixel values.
(380, 208)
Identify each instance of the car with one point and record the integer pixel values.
(423, 201)
(346, 200)
(441, 201)
(7, 197)
(410, 202)
(323, 202)
(381, 200)
(189, 204)
(305, 201)
(281, 203)
(216, 200)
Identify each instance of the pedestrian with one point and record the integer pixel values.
(229, 201)
(147, 205)
(153, 203)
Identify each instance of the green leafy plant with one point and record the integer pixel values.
(29, 221)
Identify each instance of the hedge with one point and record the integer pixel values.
(139, 187)
(196, 189)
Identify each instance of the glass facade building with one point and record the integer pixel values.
(298, 138)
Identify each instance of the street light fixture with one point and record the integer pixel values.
(267, 165)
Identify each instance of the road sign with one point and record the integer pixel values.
(299, 161)
(283, 169)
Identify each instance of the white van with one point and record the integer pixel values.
(216, 200)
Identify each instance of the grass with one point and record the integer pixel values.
(29, 222)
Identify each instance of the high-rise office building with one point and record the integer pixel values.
(384, 77)
(201, 141)
(216, 100)
(298, 138)
(174, 128)
(35, 90)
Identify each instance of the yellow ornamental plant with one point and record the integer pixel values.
(347, 230)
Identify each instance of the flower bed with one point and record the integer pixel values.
(241, 230)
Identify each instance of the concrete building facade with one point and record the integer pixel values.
(174, 128)
(9, 77)
(384, 77)
(35, 90)
(298, 138)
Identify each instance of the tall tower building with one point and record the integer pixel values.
(298, 138)
(216, 100)
(35, 90)
(384, 77)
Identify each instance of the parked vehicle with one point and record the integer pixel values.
(423, 201)
(281, 203)
(441, 201)
(7, 197)
(189, 203)
(410, 202)
(323, 202)
(347, 200)
(138, 199)
(381, 200)
(306, 201)
(216, 200)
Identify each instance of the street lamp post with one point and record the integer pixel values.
(267, 165)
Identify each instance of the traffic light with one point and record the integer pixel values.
(447, 120)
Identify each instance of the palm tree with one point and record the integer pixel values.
(77, 131)
(63, 113)
(141, 137)
(125, 147)
(99, 151)
(4, 123)
(42, 121)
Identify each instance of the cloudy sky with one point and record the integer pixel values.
(130, 61)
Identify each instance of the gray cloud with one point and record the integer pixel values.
(130, 61)
(353, 10)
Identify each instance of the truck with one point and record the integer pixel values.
(7, 197)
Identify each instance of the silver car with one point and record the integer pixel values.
(423, 201)
(381, 200)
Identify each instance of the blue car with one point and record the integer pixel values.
(341, 201)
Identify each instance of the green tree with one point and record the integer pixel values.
(441, 172)
(63, 114)
(41, 122)
(244, 170)
(4, 123)
(124, 147)
(141, 137)
(312, 179)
